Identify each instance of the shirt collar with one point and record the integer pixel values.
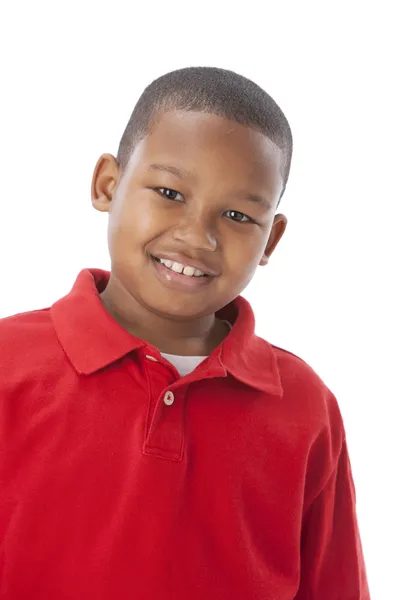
(92, 339)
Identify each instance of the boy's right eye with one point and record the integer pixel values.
(170, 194)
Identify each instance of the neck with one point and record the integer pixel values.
(185, 337)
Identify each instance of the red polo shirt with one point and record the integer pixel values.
(121, 480)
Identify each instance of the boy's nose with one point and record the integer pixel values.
(197, 233)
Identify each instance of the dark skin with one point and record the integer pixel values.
(154, 211)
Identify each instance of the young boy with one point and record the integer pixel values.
(152, 446)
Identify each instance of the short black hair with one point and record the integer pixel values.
(210, 90)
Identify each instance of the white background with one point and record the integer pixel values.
(71, 73)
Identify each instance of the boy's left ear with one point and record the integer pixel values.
(277, 231)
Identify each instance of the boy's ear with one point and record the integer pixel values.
(104, 181)
(277, 231)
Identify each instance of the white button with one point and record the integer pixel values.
(151, 358)
(169, 398)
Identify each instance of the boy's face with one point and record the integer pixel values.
(200, 190)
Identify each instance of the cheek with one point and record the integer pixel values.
(241, 261)
(132, 221)
(244, 254)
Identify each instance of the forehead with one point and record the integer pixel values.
(202, 142)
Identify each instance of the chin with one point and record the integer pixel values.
(180, 312)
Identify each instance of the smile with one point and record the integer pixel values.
(180, 277)
(181, 269)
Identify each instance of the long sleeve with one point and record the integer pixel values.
(332, 562)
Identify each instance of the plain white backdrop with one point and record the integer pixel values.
(71, 73)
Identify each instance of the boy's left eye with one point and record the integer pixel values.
(239, 217)
(170, 194)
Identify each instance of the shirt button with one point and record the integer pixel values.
(169, 398)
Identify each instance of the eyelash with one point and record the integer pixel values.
(163, 190)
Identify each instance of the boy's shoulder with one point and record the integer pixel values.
(24, 325)
(26, 339)
(294, 369)
(304, 389)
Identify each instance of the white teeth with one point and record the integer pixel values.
(179, 268)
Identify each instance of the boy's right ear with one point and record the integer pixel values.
(104, 181)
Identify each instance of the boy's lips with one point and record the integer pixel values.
(188, 262)
(178, 281)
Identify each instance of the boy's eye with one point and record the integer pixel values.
(237, 216)
(234, 215)
(170, 194)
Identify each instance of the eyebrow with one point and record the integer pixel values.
(183, 174)
(256, 199)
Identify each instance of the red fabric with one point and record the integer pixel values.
(240, 489)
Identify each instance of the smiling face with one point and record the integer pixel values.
(199, 190)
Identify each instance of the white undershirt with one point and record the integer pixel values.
(186, 364)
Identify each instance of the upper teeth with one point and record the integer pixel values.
(178, 268)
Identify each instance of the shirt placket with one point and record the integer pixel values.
(165, 421)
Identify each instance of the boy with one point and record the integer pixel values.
(152, 446)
